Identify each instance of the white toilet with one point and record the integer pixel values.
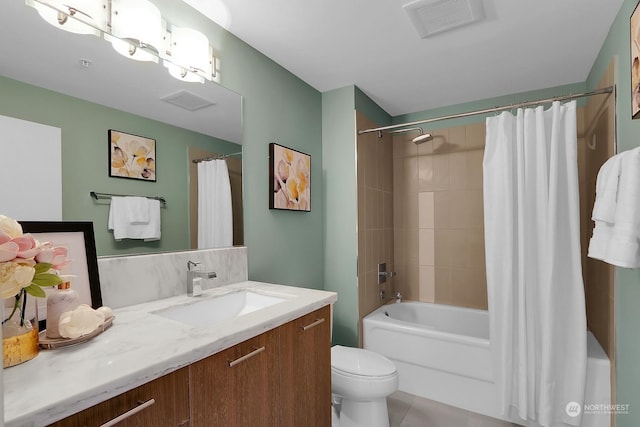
(362, 380)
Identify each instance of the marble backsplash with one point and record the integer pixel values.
(129, 280)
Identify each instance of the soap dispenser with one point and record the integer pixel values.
(60, 300)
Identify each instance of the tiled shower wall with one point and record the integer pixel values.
(438, 217)
(375, 216)
(594, 148)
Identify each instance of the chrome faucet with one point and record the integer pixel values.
(192, 273)
(398, 297)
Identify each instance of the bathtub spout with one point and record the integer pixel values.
(398, 297)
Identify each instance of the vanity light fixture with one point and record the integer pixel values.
(136, 29)
(191, 55)
(87, 16)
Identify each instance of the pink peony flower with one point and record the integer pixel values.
(54, 255)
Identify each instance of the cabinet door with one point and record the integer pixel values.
(305, 348)
(238, 386)
(159, 403)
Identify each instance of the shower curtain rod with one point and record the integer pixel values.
(602, 91)
(218, 157)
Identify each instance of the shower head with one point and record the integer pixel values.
(422, 137)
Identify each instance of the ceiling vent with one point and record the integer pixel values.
(430, 17)
(187, 100)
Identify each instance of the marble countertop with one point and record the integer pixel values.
(139, 347)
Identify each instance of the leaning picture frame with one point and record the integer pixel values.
(78, 237)
(132, 156)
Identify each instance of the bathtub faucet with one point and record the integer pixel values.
(398, 297)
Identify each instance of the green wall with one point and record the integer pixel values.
(340, 211)
(284, 247)
(341, 202)
(627, 296)
(85, 159)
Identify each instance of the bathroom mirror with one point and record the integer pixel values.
(87, 67)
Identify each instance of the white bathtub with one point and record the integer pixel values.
(442, 353)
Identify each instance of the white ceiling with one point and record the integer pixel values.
(522, 45)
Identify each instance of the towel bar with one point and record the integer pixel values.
(97, 196)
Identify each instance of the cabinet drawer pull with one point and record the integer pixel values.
(313, 325)
(255, 352)
(129, 413)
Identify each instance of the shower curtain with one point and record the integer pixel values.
(215, 220)
(534, 277)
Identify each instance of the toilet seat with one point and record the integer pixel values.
(363, 377)
(360, 363)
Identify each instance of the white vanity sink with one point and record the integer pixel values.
(208, 310)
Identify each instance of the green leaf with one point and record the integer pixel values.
(35, 290)
(46, 279)
(42, 267)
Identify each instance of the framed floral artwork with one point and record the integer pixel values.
(132, 156)
(289, 179)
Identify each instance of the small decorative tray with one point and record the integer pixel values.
(52, 343)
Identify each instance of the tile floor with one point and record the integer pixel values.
(407, 410)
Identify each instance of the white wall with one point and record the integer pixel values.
(30, 170)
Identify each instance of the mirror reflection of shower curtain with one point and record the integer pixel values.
(534, 279)
(215, 219)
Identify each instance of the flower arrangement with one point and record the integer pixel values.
(26, 266)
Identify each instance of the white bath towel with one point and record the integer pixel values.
(122, 226)
(617, 240)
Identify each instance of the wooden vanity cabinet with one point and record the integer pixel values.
(305, 359)
(281, 378)
(238, 386)
(159, 403)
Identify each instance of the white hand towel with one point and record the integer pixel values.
(624, 247)
(153, 232)
(123, 229)
(137, 209)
